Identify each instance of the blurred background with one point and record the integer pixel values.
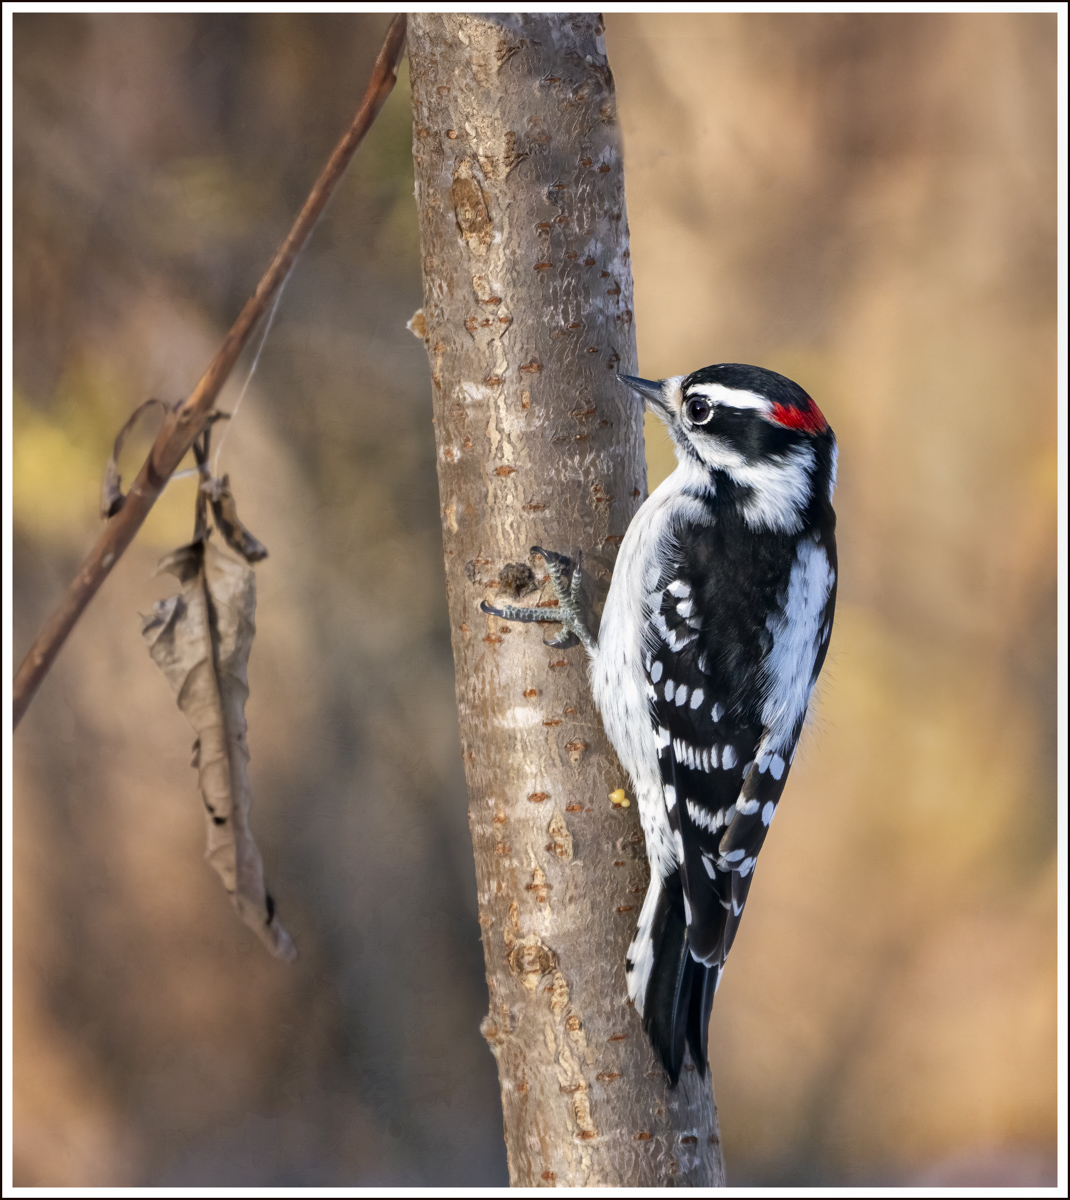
(865, 203)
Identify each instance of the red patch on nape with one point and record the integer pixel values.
(809, 419)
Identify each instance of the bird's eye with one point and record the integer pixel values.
(698, 411)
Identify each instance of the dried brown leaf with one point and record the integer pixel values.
(201, 639)
(111, 491)
(225, 512)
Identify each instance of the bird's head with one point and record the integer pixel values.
(753, 427)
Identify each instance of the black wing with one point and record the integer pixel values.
(722, 776)
(707, 745)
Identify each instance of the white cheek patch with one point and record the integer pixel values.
(780, 487)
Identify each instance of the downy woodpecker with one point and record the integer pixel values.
(714, 631)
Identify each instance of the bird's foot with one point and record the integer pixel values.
(568, 602)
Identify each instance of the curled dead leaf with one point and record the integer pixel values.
(225, 512)
(111, 491)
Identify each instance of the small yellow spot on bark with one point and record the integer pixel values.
(619, 799)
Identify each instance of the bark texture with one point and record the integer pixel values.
(527, 318)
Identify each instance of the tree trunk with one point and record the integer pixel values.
(527, 316)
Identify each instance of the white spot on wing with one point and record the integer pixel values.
(728, 757)
(669, 689)
(681, 694)
(718, 711)
(679, 588)
(768, 809)
(655, 671)
(696, 697)
(703, 818)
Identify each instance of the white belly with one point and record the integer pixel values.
(619, 679)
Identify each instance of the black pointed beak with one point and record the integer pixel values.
(650, 389)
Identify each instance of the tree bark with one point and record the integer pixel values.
(527, 317)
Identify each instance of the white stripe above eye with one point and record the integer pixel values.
(717, 393)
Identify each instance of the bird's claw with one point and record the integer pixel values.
(568, 609)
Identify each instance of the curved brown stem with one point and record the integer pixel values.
(182, 427)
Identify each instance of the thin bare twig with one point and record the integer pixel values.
(183, 425)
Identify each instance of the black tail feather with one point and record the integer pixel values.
(679, 996)
(703, 986)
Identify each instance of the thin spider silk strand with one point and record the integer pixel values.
(248, 377)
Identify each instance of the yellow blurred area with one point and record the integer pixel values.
(57, 470)
(864, 202)
(53, 478)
